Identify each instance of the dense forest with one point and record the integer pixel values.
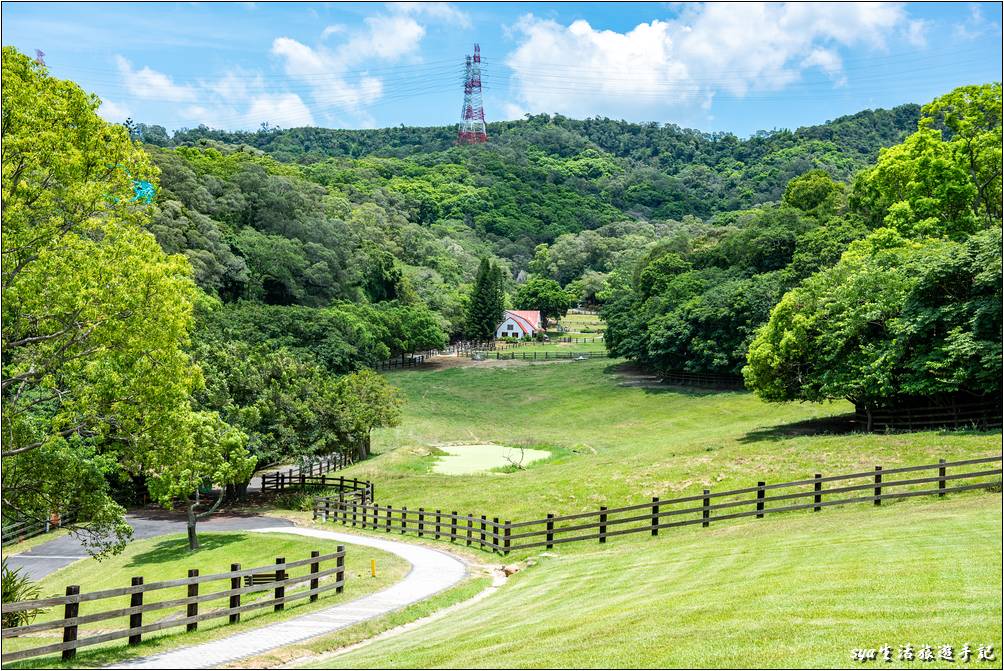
(155, 345)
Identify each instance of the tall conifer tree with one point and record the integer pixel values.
(487, 303)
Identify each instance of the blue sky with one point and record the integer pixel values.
(715, 66)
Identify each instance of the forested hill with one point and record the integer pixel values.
(309, 215)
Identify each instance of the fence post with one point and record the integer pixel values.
(193, 607)
(437, 524)
(484, 526)
(506, 532)
(387, 525)
(706, 514)
(340, 569)
(327, 508)
(280, 592)
(136, 619)
(355, 509)
(759, 499)
(655, 515)
(421, 522)
(941, 477)
(235, 599)
(603, 524)
(878, 485)
(470, 528)
(404, 517)
(453, 526)
(817, 487)
(550, 530)
(315, 568)
(70, 610)
(340, 511)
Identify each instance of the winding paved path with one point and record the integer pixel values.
(45, 558)
(431, 572)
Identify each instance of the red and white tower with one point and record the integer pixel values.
(472, 117)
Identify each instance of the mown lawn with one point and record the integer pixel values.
(613, 444)
(168, 558)
(787, 591)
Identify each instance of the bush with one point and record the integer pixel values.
(18, 587)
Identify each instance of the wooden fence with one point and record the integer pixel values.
(982, 414)
(711, 380)
(22, 530)
(549, 356)
(488, 533)
(361, 490)
(408, 362)
(276, 578)
(278, 481)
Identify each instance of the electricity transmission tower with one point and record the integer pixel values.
(472, 116)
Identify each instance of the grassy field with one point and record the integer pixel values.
(794, 591)
(613, 444)
(167, 558)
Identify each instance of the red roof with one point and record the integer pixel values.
(528, 320)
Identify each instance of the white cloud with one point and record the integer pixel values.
(335, 29)
(732, 48)
(280, 109)
(975, 25)
(152, 85)
(916, 32)
(113, 112)
(326, 70)
(437, 11)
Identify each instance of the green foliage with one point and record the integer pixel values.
(17, 586)
(544, 295)
(95, 317)
(893, 318)
(486, 304)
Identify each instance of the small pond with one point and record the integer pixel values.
(469, 459)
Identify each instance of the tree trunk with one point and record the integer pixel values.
(193, 539)
(363, 448)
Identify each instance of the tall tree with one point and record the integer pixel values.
(544, 295)
(487, 302)
(95, 316)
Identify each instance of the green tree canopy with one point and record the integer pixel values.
(545, 295)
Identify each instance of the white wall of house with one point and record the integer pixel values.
(509, 329)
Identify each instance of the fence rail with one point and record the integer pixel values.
(408, 362)
(549, 356)
(488, 533)
(22, 530)
(295, 476)
(136, 592)
(714, 380)
(984, 414)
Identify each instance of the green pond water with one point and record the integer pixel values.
(468, 459)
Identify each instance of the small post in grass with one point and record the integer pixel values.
(280, 592)
(484, 527)
(759, 499)
(495, 534)
(136, 619)
(235, 599)
(941, 477)
(470, 528)
(817, 487)
(655, 515)
(453, 526)
(506, 532)
(340, 569)
(706, 513)
(550, 530)
(878, 485)
(387, 525)
(421, 522)
(404, 519)
(70, 611)
(603, 524)
(315, 568)
(437, 524)
(193, 606)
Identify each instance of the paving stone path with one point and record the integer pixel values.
(431, 572)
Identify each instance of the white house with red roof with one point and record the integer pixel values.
(519, 324)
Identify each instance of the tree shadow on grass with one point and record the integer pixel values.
(820, 426)
(171, 549)
(630, 375)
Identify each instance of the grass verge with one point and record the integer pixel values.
(798, 591)
(166, 558)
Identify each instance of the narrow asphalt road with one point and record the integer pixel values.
(45, 558)
(432, 571)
